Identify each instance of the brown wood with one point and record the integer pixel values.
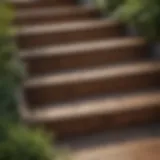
(86, 55)
(32, 4)
(51, 15)
(71, 86)
(70, 33)
(78, 119)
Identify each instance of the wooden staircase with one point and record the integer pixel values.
(87, 76)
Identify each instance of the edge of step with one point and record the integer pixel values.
(101, 72)
(54, 11)
(65, 27)
(96, 107)
(76, 48)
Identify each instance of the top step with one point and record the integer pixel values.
(55, 14)
(30, 4)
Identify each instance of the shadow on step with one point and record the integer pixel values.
(112, 137)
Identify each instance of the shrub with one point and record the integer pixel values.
(16, 142)
(143, 15)
(20, 143)
(11, 68)
(108, 6)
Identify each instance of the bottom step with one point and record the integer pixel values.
(146, 149)
(99, 146)
(99, 114)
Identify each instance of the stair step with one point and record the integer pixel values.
(105, 79)
(142, 149)
(110, 137)
(81, 55)
(58, 35)
(62, 33)
(87, 116)
(50, 15)
(33, 4)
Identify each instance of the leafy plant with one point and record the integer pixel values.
(21, 143)
(108, 6)
(143, 15)
(11, 68)
(16, 142)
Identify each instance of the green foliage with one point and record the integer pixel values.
(16, 142)
(143, 14)
(112, 5)
(108, 6)
(100, 3)
(11, 68)
(20, 143)
(6, 17)
(3, 130)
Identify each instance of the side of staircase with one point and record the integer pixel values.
(85, 74)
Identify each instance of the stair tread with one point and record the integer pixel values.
(94, 74)
(54, 11)
(111, 137)
(81, 47)
(28, 3)
(141, 149)
(99, 106)
(65, 27)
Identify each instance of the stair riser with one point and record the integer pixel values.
(80, 60)
(54, 19)
(65, 92)
(96, 123)
(43, 3)
(30, 41)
